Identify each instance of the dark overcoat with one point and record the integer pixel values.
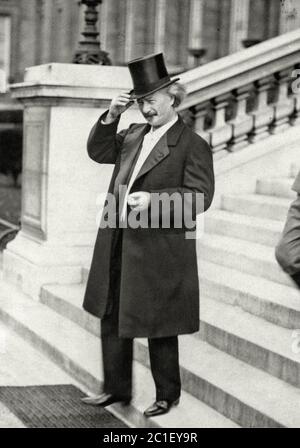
(159, 286)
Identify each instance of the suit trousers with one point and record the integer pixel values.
(117, 352)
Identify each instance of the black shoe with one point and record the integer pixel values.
(105, 399)
(160, 407)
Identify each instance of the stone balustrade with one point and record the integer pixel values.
(244, 97)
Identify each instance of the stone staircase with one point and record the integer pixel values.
(240, 369)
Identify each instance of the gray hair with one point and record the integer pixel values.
(178, 91)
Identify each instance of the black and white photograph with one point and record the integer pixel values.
(149, 216)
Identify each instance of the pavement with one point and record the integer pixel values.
(23, 365)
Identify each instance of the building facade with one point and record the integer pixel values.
(189, 32)
(34, 32)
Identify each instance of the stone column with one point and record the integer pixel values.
(238, 31)
(60, 182)
(5, 53)
(46, 33)
(196, 19)
(61, 40)
(160, 25)
(129, 37)
(103, 23)
(195, 28)
(271, 28)
(28, 33)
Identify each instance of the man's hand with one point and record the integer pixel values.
(139, 200)
(118, 105)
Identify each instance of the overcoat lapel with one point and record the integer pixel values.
(158, 153)
(161, 149)
(131, 147)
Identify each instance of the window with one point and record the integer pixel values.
(5, 35)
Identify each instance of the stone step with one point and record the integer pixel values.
(229, 328)
(257, 205)
(222, 388)
(258, 230)
(276, 186)
(251, 339)
(78, 352)
(279, 304)
(252, 258)
(67, 301)
(246, 395)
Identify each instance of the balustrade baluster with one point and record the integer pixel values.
(220, 132)
(283, 104)
(200, 115)
(262, 113)
(295, 86)
(241, 122)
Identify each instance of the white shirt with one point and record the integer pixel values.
(150, 140)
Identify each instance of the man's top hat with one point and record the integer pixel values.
(148, 74)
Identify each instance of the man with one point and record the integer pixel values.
(288, 249)
(144, 282)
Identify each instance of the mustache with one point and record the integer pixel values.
(149, 115)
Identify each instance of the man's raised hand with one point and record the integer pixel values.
(118, 105)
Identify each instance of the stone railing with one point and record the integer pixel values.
(247, 96)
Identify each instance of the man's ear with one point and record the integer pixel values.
(173, 99)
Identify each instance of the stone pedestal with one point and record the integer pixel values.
(60, 182)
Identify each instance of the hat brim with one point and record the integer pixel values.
(133, 96)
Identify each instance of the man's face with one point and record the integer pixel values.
(157, 108)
